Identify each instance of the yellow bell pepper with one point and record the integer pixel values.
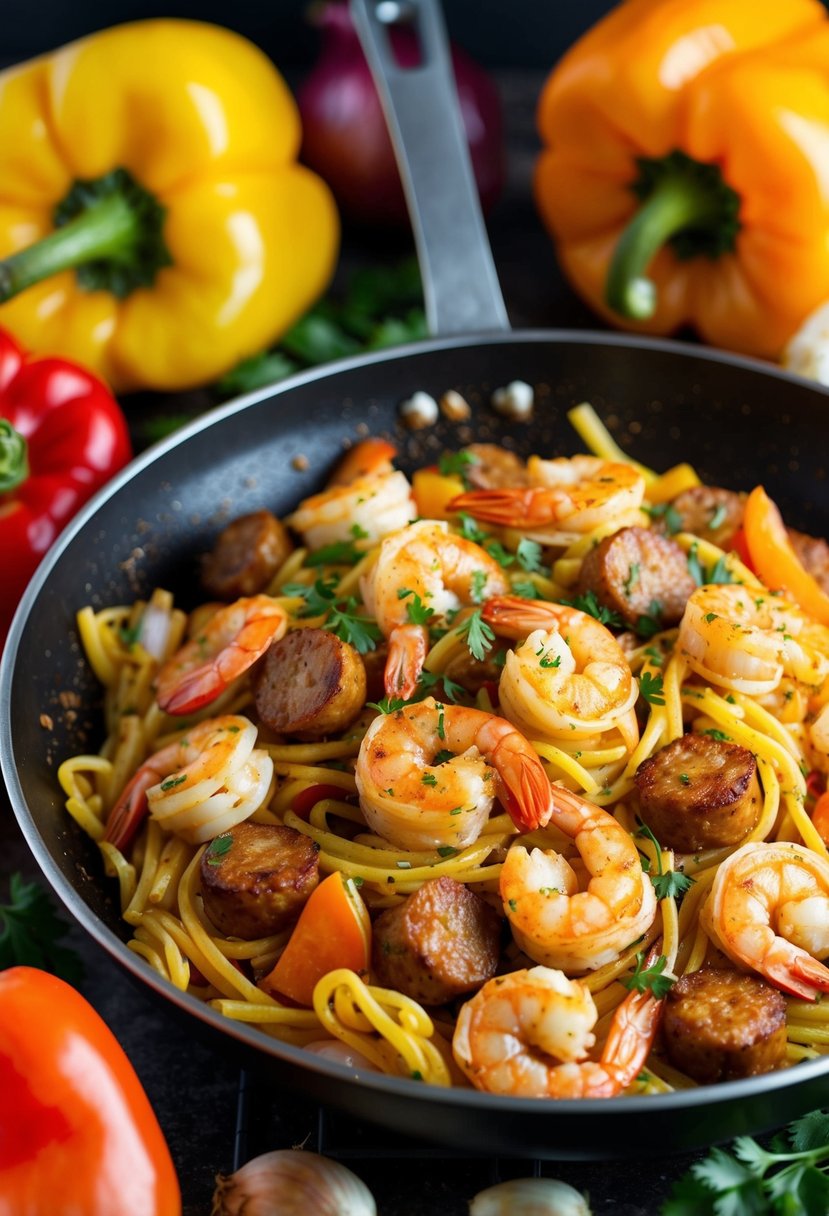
(154, 223)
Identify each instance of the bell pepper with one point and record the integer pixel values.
(154, 223)
(62, 435)
(77, 1132)
(684, 167)
(774, 559)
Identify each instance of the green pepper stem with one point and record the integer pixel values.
(677, 203)
(108, 229)
(14, 457)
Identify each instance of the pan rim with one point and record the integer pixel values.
(248, 1036)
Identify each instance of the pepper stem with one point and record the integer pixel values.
(14, 457)
(109, 230)
(688, 205)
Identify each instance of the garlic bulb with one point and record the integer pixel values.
(530, 1197)
(292, 1182)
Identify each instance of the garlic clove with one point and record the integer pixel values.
(292, 1182)
(530, 1197)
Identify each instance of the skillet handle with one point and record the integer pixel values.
(460, 284)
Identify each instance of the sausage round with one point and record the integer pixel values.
(442, 942)
(710, 513)
(699, 793)
(637, 572)
(310, 684)
(720, 1025)
(247, 554)
(258, 883)
(813, 554)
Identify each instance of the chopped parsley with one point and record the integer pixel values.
(476, 591)
(456, 464)
(172, 782)
(528, 554)
(442, 756)
(417, 612)
(217, 849)
(446, 850)
(650, 687)
(389, 705)
(340, 553)
(644, 979)
(666, 883)
(632, 578)
(479, 636)
(590, 603)
(668, 514)
(429, 779)
(650, 622)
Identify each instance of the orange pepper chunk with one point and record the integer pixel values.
(433, 491)
(775, 561)
(333, 931)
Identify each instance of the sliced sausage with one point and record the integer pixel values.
(257, 883)
(494, 467)
(813, 554)
(309, 684)
(699, 793)
(720, 1025)
(638, 573)
(443, 941)
(707, 511)
(247, 554)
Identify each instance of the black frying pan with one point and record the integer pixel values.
(736, 420)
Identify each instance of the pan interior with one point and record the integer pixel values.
(664, 403)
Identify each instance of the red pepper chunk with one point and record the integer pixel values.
(77, 1132)
(62, 436)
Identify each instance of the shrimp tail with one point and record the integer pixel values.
(510, 506)
(527, 791)
(370, 456)
(129, 811)
(194, 691)
(804, 976)
(407, 653)
(513, 617)
(631, 1037)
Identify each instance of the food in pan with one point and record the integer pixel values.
(480, 777)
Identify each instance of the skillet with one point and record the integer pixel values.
(738, 421)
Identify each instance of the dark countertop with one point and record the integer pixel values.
(194, 1089)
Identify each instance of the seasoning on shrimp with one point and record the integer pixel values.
(552, 919)
(566, 498)
(569, 678)
(527, 1034)
(428, 775)
(769, 911)
(423, 573)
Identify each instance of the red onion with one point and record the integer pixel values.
(344, 133)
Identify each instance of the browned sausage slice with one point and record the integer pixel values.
(443, 941)
(720, 1025)
(247, 554)
(707, 511)
(256, 878)
(813, 554)
(638, 573)
(699, 793)
(309, 684)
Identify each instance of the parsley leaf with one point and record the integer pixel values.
(389, 705)
(590, 604)
(651, 688)
(650, 622)
(217, 849)
(30, 933)
(455, 464)
(416, 611)
(529, 556)
(361, 632)
(479, 636)
(318, 598)
(668, 514)
(644, 978)
(452, 691)
(340, 553)
(526, 589)
(666, 883)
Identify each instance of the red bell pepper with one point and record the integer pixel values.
(62, 435)
(77, 1132)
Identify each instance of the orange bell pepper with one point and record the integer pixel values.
(334, 930)
(820, 816)
(683, 174)
(77, 1132)
(775, 561)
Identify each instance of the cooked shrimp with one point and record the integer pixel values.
(416, 799)
(556, 923)
(746, 639)
(819, 740)
(424, 566)
(565, 498)
(569, 679)
(230, 642)
(199, 786)
(365, 500)
(769, 912)
(528, 1034)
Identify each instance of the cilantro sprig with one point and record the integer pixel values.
(479, 636)
(666, 883)
(31, 932)
(789, 1179)
(644, 978)
(342, 617)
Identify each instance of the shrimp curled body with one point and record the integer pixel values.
(203, 784)
(527, 1034)
(231, 642)
(416, 799)
(555, 922)
(746, 640)
(570, 677)
(769, 911)
(427, 564)
(566, 498)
